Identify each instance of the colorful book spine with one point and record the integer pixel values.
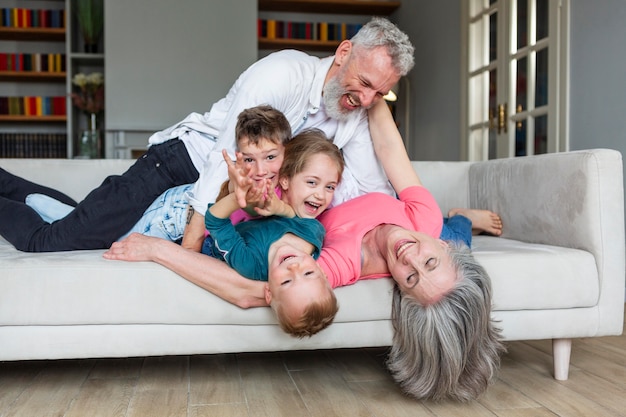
(38, 62)
(19, 17)
(320, 31)
(33, 106)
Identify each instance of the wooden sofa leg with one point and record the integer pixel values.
(561, 351)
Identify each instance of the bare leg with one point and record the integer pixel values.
(483, 221)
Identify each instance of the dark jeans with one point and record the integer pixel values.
(104, 215)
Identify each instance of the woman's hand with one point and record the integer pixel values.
(134, 248)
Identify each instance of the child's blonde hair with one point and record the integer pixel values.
(316, 316)
(304, 145)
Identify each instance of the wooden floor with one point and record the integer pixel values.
(342, 383)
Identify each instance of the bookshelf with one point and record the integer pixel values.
(29, 131)
(33, 77)
(32, 34)
(369, 7)
(325, 7)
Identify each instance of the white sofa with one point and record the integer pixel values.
(557, 271)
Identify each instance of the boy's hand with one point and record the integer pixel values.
(238, 173)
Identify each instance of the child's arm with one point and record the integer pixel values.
(194, 234)
(225, 207)
(194, 230)
(274, 205)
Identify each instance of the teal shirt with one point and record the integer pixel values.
(245, 246)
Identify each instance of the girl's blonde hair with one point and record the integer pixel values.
(303, 146)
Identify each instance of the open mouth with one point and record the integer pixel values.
(286, 257)
(351, 101)
(402, 246)
(313, 207)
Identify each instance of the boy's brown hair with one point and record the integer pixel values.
(263, 123)
(256, 124)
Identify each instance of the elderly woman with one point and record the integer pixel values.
(445, 344)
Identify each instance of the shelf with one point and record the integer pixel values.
(32, 34)
(35, 76)
(359, 7)
(303, 44)
(32, 119)
(81, 58)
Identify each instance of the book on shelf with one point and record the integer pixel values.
(36, 62)
(19, 17)
(319, 31)
(33, 106)
(33, 145)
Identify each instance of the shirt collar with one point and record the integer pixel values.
(318, 82)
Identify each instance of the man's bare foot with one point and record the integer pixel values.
(483, 221)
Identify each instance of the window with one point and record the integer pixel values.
(515, 78)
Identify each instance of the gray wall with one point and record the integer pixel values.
(165, 59)
(598, 75)
(434, 83)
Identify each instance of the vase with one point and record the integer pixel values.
(91, 48)
(89, 140)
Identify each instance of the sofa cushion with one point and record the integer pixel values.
(527, 276)
(81, 287)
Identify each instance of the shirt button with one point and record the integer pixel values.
(158, 164)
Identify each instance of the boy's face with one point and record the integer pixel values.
(295, 280)
(264, 159)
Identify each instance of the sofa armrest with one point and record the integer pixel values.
(570, 199)
(562, 199)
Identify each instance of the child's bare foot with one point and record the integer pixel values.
(483, 221)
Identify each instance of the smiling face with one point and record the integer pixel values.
(264, 158)
(357, 79)
(419, 263)
(295, 280)
(311, 190)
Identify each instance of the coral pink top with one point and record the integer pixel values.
(347, 223)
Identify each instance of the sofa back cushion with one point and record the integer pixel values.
(74, 177)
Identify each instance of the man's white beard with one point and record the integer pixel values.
(332, 94)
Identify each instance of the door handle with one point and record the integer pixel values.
(502, 115)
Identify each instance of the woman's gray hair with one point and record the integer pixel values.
(450, 349)
(381, 32)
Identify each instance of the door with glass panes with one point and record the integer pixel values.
(515, 79)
